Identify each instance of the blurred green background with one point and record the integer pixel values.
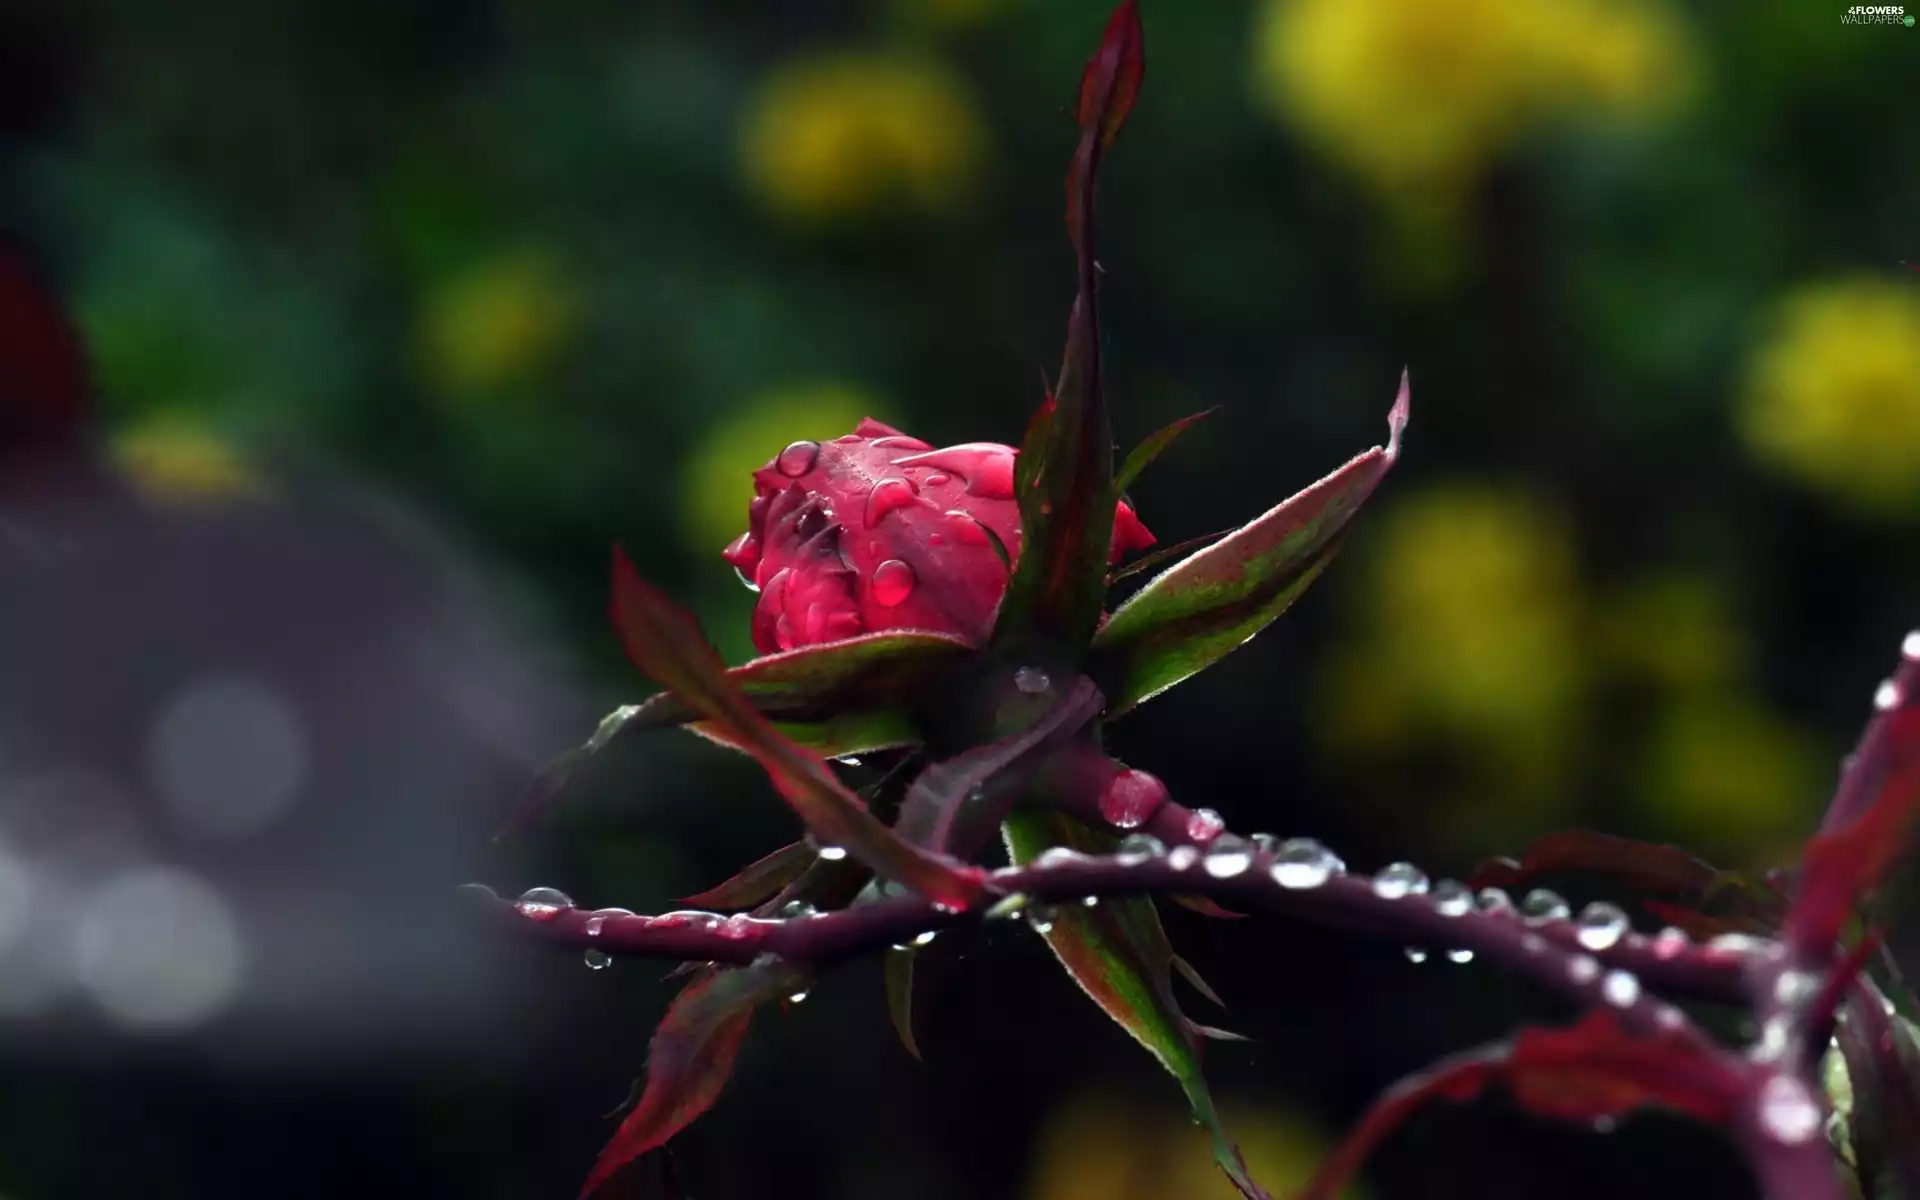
(552, 276)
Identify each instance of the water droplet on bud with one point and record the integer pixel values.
(1137, 848)
(831, 853)
(924, 938)
(1182, 857)
(893, 582)
(797, 459)
(1415, 954)
(1040, 918)
(598, 920)
(1670, 943)
(1459, 956)
(596, 960)
(1494, 900)
(797, 997)
(886, 496)
(1887, 696)
(1583, 968)
(793, 909)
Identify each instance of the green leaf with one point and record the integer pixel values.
(838, 698)
(899, 972)
(1064, 480)
(1193, 614)
(1143, 455)
(1119, 955)
(667, 643)
(692, 1056)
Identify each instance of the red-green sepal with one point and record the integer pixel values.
(1119, 955)
(1198, 611)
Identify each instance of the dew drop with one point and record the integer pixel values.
(1787, 1110)
(1397, 881)
(1620, 989)
(937, 478)
(1533, 943)
(1887, 696)
(1090, 901)
(1415, 954)
(893, 582)
(1040, 918)
(1137, 848)
(966, 530)
(797, 459)
(1910, 646)
(1131, 798)
(1265, 843)
(1204, 824)
(747, 579)
(543, 903)
(596, 960)
(1775, 1037)
(1460, 956)
(1183, 857)
(923, 938)
(1795, 988)
(1669, 1017)
(1737, 943)
(886, 496)
(831, 853)
(1494, 900)
(1604, 1125)
(1543, 905)
(598, 920)
(797, 997)
(1670, 943)
(1058, 856)
(1451, 898)
(1228, 856)
(1302, 863)
(794, 909)
(1601, 926)
(1031, 681)
(1583, 968)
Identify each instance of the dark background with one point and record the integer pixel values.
(401, 313)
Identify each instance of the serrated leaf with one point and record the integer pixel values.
(846, 697)
(759, 880)
(1197, 612)
(1583, 1072)
(1118, 953)
(899, 976)
(667, 643)
(691, 1058)
(1143, 455)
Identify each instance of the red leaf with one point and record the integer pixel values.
(666, 642)
(1112, 76)
(1881, 784)
(691, 1058)
(758, 880)
(1584, 1072)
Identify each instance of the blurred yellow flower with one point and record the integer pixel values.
(170, 459)
(1675, 630)
(717, 477)
(1729, 778)
(1468, 638)
(850, 133)
(495, 325)
(1833, 393)
(1418, 95)
(1094, 1148)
